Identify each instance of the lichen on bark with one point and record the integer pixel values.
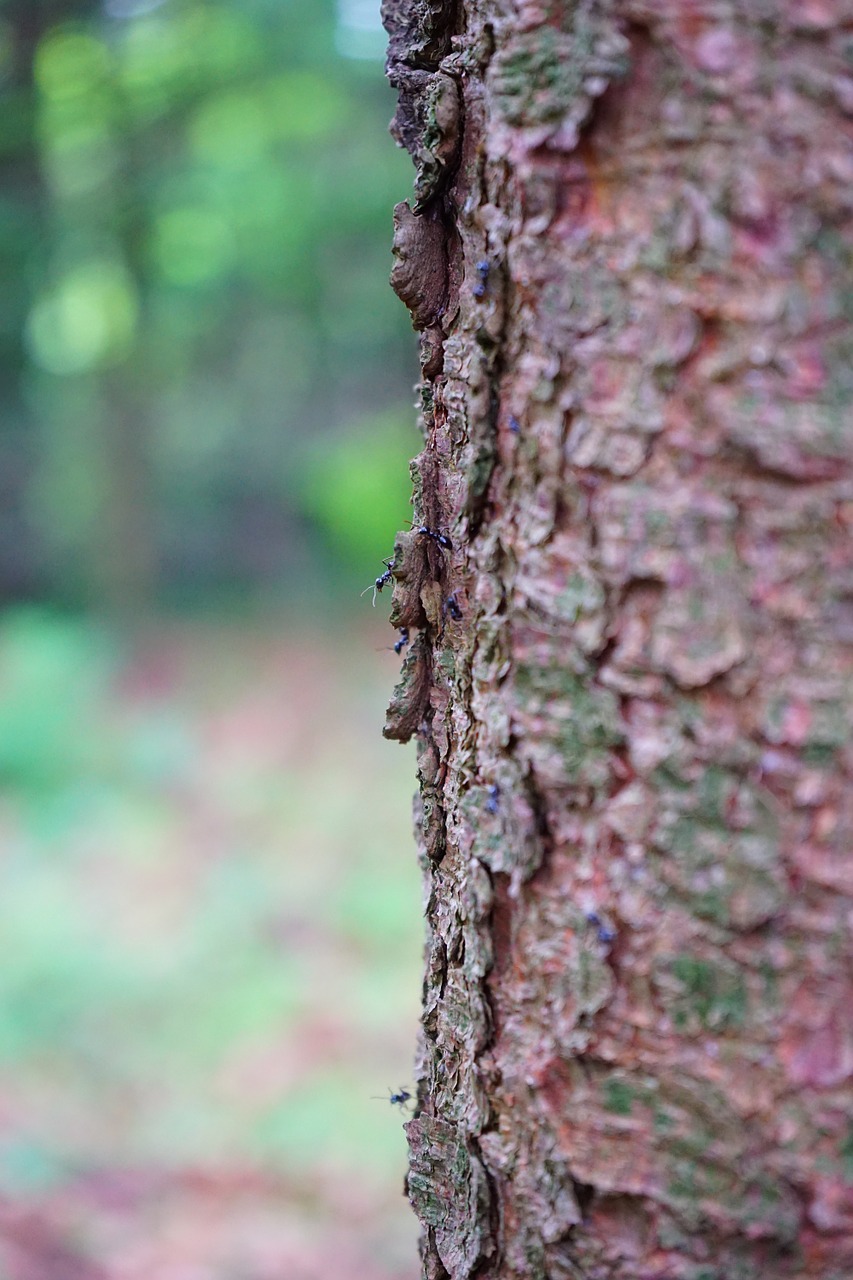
(631, 578)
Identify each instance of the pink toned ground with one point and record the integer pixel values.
(230, 908)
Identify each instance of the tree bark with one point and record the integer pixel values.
(629, 589)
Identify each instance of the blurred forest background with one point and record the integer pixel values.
(210, 909)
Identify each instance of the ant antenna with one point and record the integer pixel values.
(382, 580)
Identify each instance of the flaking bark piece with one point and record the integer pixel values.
(419, 274)
(410, 572)
(410, 699)
(448, 1190)
(420, 31)
(439, 140)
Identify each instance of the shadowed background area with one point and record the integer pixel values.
(210, 910)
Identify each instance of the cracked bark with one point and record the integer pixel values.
(630, 682)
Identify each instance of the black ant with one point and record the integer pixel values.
(382, 580)
(451, 604)
(398, 1099)
(514, 424)
(403, 641)
(483, 273)
(605, 933)
(440, 539)
(492, 804)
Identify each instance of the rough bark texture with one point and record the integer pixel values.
(630, 590)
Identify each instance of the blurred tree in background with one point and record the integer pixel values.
(196, 327)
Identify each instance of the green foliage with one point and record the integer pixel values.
(49, 667)
(359, 490)
(195, 230)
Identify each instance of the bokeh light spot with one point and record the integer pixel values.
(191, 245)
(230, 130)
(68, 62)
(88, 318)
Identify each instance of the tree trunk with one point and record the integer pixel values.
(630, 592)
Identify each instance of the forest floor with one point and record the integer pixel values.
(211, 933)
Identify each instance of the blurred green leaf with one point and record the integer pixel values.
(50, 668)
(357, 488)
(86, 319)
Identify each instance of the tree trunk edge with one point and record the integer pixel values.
(630, 583)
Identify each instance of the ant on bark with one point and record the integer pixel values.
(400, 644)
(483, 272)
(382, 580)
(440, 539)
(398, 1099)
(604, 932)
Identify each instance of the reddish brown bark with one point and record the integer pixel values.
(632, 583)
